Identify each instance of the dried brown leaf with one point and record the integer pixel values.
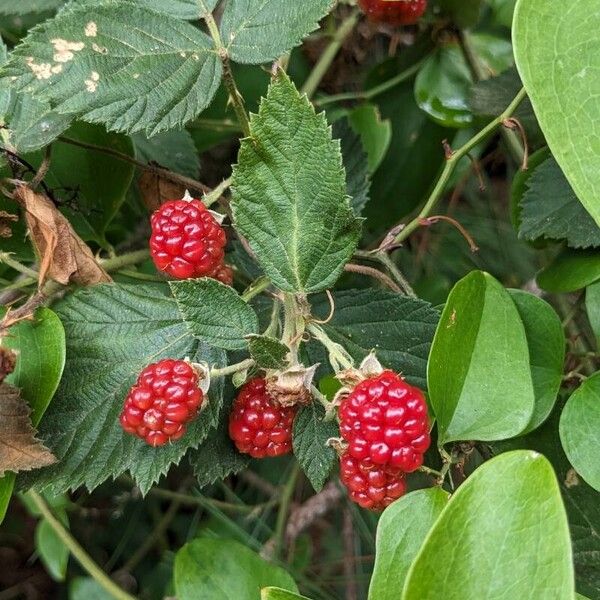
(6, 219)
(64, 256)
(8, 362)
(156, 190)
(20, 450)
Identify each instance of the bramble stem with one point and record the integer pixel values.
(327, 57)
(338, 357)
(211, 197)
(82, 557)
(5, 257)
(451, 163)
(231, 369)
(255, 288)
(284, 508)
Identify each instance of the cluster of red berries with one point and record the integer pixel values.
(165, 398)
(187, 241)
(258, 425)
(394, 12)
(385, 423)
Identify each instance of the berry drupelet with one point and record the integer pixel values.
(257, 425)
(165, 398)
(394, 12)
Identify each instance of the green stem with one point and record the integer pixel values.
(213, 196)
(284, 509)
(5, 258)
(290, 330)
(231, 369)
(125, 260)
(255, 288)
(77, 551)
(390, 265)
(451, 164)
(374, 91)
(327, 57)
(338, 357)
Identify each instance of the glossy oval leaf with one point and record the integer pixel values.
(592, 306)
(52, 550)
(219, 569)
(546, 341)
(570, 271)
(401, 532)
(504, 534)
(580, 430)
(215, 313)
(375, 133)
(480, 345)
(556, 50)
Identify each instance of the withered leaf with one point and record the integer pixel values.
(6, 219)
(8, 361)
(20, 450)
(64, 256)
(156, 190)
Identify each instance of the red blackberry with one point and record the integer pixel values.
(384, 419)
(258, 426)
(187, 241)
(165, 398)
(394, 12)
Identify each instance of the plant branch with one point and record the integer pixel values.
(5, 257)
(211, 197)
(82, 557)
(338, 357)
(231, 369)
(328, 55)
(255, 288)
(451, 163)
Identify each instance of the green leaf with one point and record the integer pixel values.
(219, 569)
(40, 344)
(580, 430)
(592, 305)
(174, 150)
(311, 433)
(481, 545)
(113, 332)
(401, 532)
(214, 313)
(23, 7)
(273, 593)
(464, 14)
(570, 271)
(555, 51)
(74, 171)
(398, 328)
(289, 194)
(52, 550)
(268, 353)
(217, 458)
(442, 87)
(550, 209)
(153, 76)
(546, 341)
(358, 182)
(86, 588)
(182, 9)
(258, 31)
(375, 132)
(480, 344)
(503, 11)
(32, 123)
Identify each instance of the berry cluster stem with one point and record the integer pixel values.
(82, 557)
(338, 357)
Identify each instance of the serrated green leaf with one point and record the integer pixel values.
(257, 31)
(310, 436)
(479, 345)
(40, 344)
(174, 150)
(550, 209)
(580, 430)
(24, 7)
(546, 342)
(592, 306)
(555, 50)
(217, 457)
(215, 313)
(153, 76)
(289, 194)
(570, 271)
(274, 593)
(399, 329)
(354, 157)
(268, 353)
(182, 9)
(51, 549)
(401, 532)
(375, 132)
(480, 547)
(112, 333)
(220, 569)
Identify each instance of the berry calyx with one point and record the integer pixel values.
(371, 486)
(165, 398)
(187, 241)
(384, 419)
(259, 426)
(394, 12)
